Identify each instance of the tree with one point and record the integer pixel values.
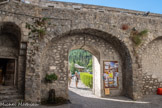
(80, 57)
(72, 68)
(89, 66)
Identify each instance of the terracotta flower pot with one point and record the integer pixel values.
(125, 27)
(159, 91)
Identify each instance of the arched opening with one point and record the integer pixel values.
(9, 48)
(85, 61)
(11, 64)
(151, 67)
(103, 46)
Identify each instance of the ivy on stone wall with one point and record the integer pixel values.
(38, 28)
(137, 37)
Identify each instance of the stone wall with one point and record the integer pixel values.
(55, 60)
(103, 22)
(150, 84)
(152, 67)
(8, 47)
(85, 7)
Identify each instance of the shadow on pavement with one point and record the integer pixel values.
(79, 101)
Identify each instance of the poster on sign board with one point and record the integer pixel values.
(111, 74)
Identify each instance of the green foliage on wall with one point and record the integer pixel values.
(87, 79)
(37, 28)
(51, 77)
(138, 36)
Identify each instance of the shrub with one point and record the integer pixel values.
(38, 28)
(138, 36)
(136, 39)
(51, 77)
(143, 33)
(87, 79)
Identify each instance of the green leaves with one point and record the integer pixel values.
(89, 66)
(143, 33)
(28, 26)
(38, 28)
(138, 36)
(80, 57)
(87, 79)
(51, 77)
(72, 68)
(136, 39)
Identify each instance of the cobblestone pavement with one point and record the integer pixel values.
(82, 97)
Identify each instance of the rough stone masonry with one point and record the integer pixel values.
(103, 31)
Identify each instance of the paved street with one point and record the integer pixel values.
(82, 97)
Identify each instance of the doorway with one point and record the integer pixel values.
(80, 64)
(7, 71)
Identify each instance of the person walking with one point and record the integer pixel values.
(76, 78)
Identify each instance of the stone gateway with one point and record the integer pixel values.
(109, 34)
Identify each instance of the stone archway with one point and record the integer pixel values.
(9, 48)
(10, 38)
(55, 59)
(151, 67)
(97, 83)
(12, 55)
